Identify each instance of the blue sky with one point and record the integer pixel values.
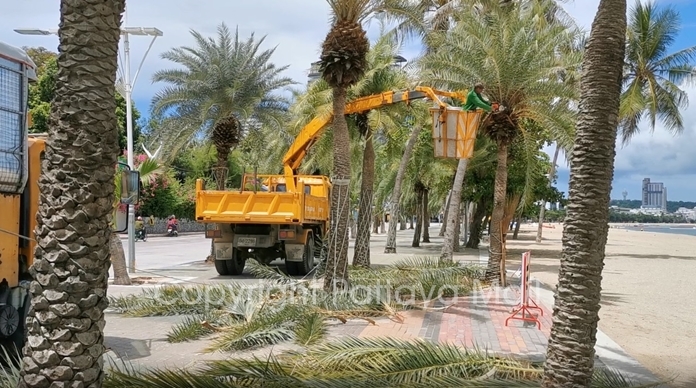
(297, 27)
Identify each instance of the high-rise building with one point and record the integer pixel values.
(654, 195)
(315, 74)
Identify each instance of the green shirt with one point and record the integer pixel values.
(474, 100)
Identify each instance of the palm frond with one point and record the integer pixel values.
(195, 327)
(310, 329)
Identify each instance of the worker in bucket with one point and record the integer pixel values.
(475, 100)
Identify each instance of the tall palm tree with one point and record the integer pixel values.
(516, 59)
(381, 76)
(224, 81)
(652, 77)
(66, 319)
(343, 62)
(570, 354)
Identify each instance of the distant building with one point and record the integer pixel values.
(654, 196)
(315, 73)
(688, 214)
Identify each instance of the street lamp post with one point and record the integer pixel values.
(125, 87)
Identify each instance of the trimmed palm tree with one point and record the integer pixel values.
(652, 77)
(517, 60)
(224, 82)
(66, 319)
(343, 63)
(570, 354)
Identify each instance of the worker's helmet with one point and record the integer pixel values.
(140, 218)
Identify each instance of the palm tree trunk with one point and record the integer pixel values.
(450, 231)
(382, 229)
(458, 231)
(402, 223)
(118, 261)
(336, 277)
(375, 224)
(419, 215)
(444, 216)
(542, 208)
(477, 224)
(361, 254)
(65, 337)
(518, 221)
(390, 246)
(496, 244)
(426, 217)
(466, 222)
(571, 349)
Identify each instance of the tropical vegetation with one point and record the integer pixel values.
(221, 112)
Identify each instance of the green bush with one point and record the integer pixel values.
(165, 196)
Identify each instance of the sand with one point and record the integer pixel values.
(648, 293)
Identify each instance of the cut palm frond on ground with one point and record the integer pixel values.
(355, 362)
(281, 308)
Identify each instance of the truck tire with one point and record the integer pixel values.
(305, 266)
(235, 266)
(14, 344)
(221, 267)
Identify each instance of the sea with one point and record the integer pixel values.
(686, 230)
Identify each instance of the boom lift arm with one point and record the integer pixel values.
(312, 131)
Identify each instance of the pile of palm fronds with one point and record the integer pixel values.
(281, 308)
(355, 363)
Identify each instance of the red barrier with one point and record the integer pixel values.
(526, 302)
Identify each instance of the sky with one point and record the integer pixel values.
(296, 29)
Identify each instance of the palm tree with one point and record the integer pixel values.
(516, 59)
(223, 81)
(381, 76)
(570, 354)
(420, 18)
(652, 77)
(343, 63)
(148, 169)
(77, 189)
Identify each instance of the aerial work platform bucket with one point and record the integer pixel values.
(454, 132)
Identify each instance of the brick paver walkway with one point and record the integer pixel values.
(474, 321)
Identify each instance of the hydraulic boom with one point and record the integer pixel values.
(312, 131)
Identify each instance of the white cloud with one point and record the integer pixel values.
(296, 28)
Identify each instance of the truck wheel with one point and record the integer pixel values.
(14, 344)
(221, 267)
(305, 266)
(235, 267)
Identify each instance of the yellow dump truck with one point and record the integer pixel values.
(287, 216)
(20, 166)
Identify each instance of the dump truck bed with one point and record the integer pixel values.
(267, 204)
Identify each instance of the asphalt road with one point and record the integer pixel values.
(160, 255)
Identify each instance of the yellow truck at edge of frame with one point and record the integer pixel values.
(286, 216)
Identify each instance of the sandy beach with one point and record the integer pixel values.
(648, 293)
